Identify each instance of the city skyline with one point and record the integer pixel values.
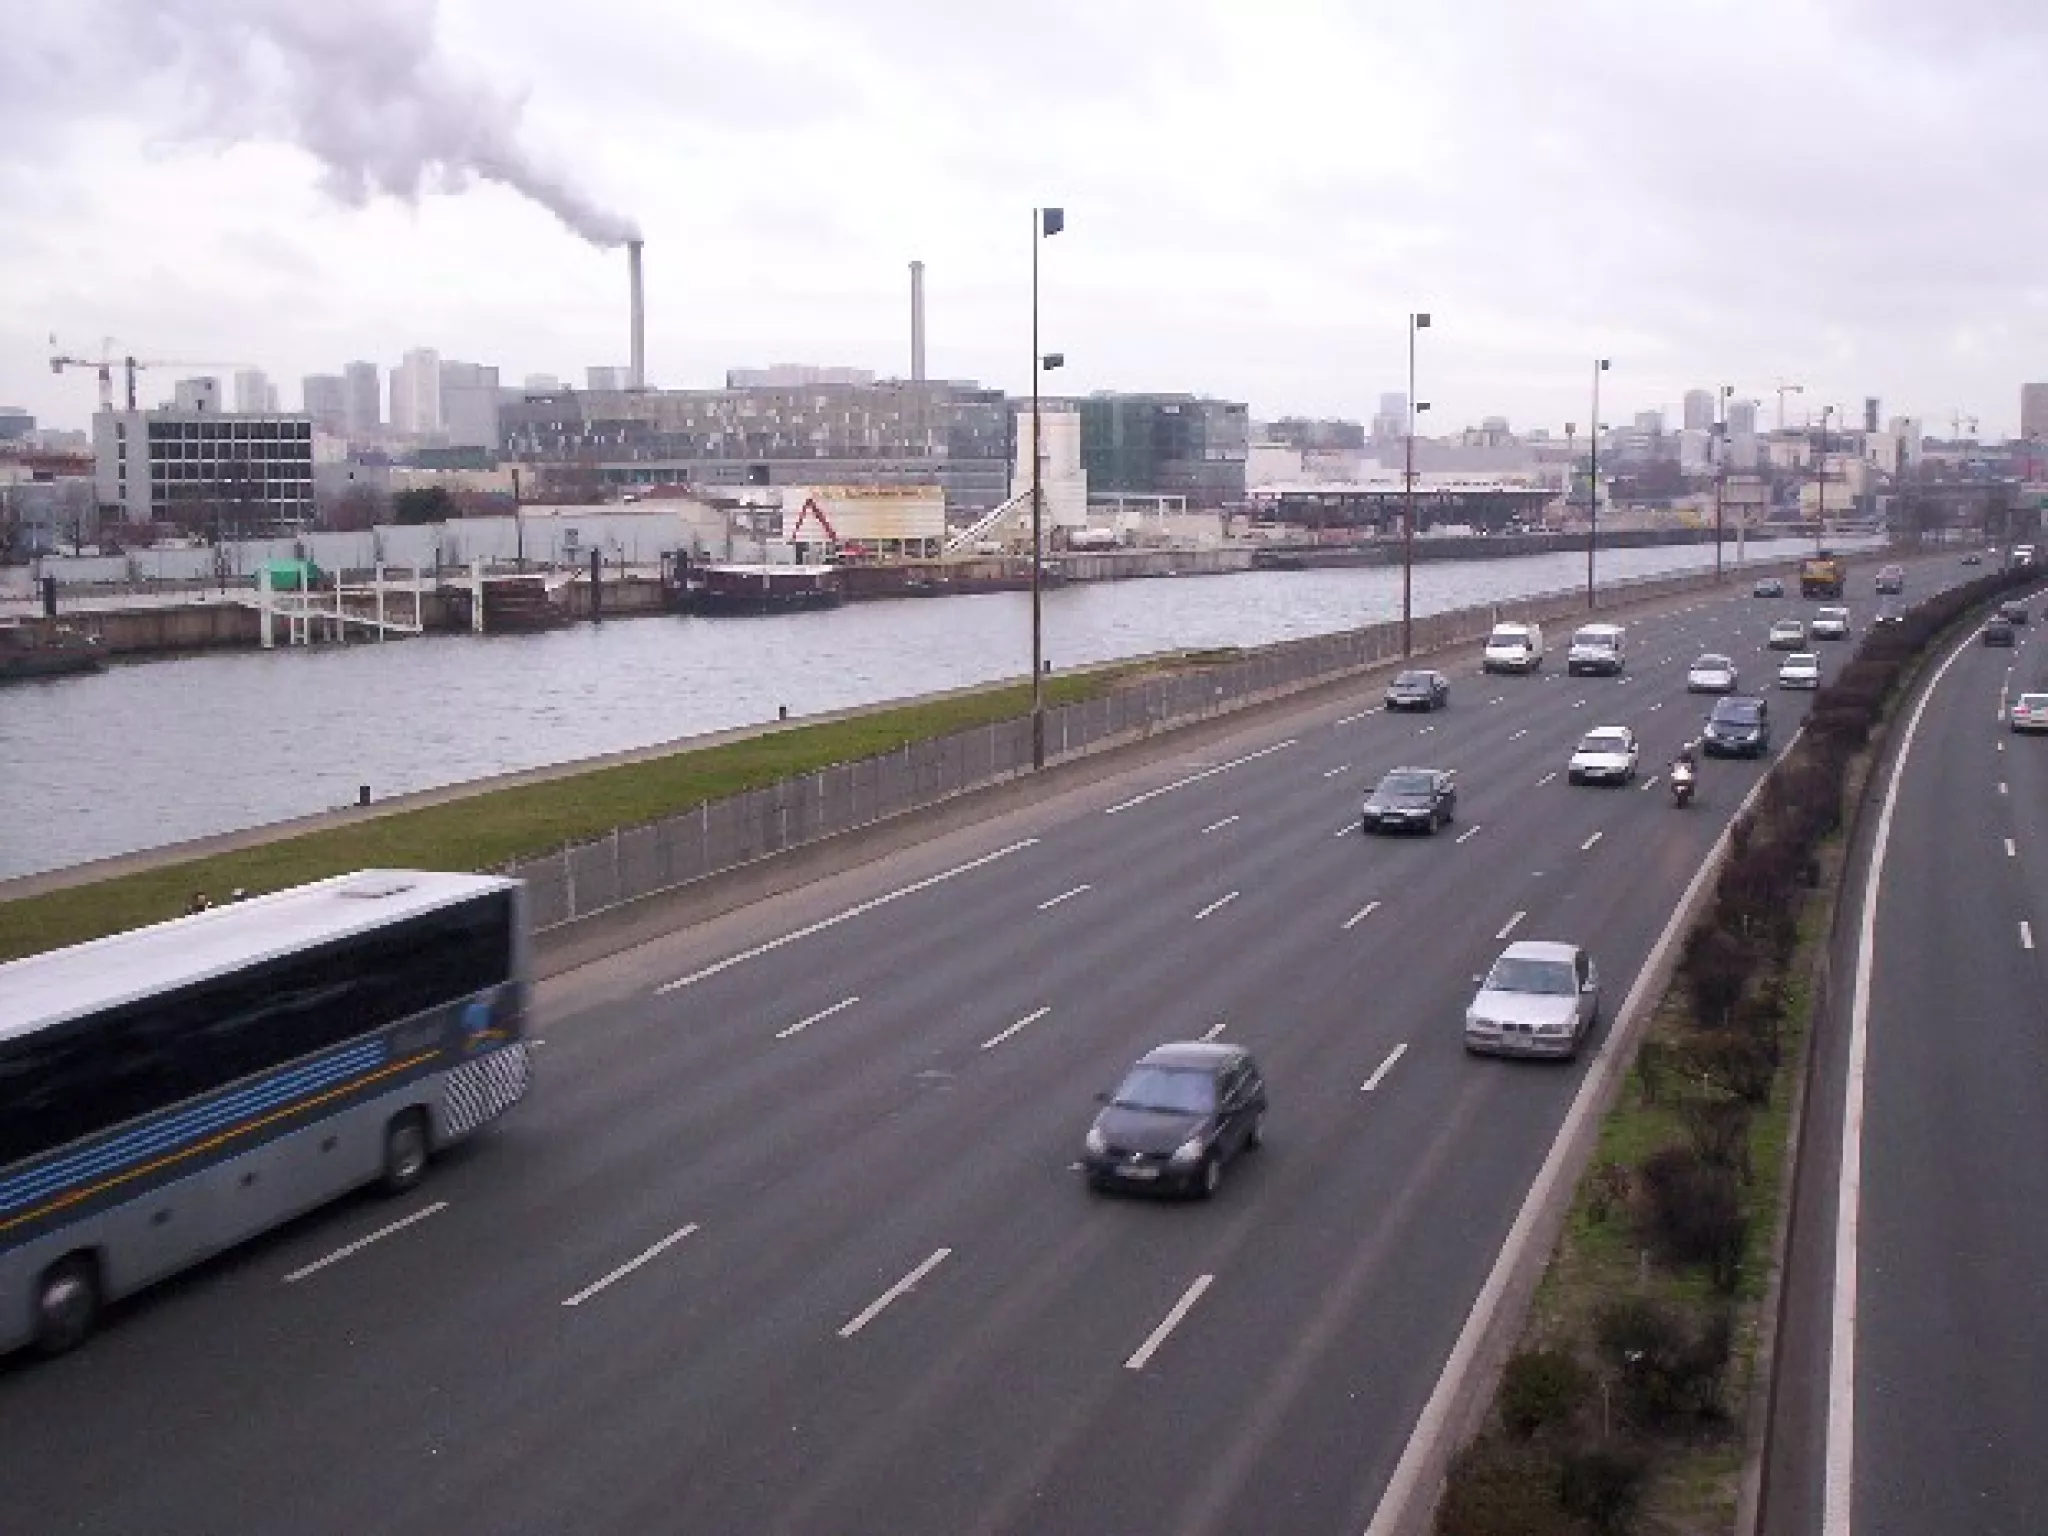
(1283, 225)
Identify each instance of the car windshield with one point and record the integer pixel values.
(1605, 741)
(1167, 1090)
(1405, 784)
(1738, 711)
(2033, 701)
(1833, 613)
(1412, 680)
(1711, 664)
(1799, 659)
(1788, 626)
(1551, 978)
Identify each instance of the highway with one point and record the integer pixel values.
(790, 1237)
(1915, 1378)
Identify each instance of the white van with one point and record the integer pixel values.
(1513, 648)
(1597, 648)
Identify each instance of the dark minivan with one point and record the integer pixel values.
(1177, 1117)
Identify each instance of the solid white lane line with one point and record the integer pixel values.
(824, 1013)
(1030, 1018)
(840, 917)
(1331, 773)
(1218, 826)
(1838, 1479)
(1468, 834)
(1180, 1310)
(1360, 915)
(2011, 849)
(2026, 935)
(361, 1243)
(1519, 734)
(630, 1265)
(1217, 905)
(1047, 906)
(874, 1308)
(1587, 845)
(1546, 778)
(1212, 1032)
(1510, 926)
(1196, 778)
(1384, 1068)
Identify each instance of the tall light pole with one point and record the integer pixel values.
(1416, 322)
(1820, 489)
(1593, 481)
(1720, 468)
(1045, 222)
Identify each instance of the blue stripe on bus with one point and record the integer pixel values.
(154, 1139)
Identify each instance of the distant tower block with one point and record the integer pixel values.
(917, 322)
(636, 372)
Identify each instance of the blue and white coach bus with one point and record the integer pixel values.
(169, 1092)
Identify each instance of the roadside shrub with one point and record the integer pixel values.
(1717, 969)
(1717, 1130)
(1541, 1389)
(1666, 1369)
(1607, 1187)
(1603, 1483)
(1732, 1062)
(1694, 1214)
(1499, 1488)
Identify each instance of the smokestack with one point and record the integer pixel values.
(636, 373)
(917, 322)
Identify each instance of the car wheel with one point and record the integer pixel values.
(67, 1305)
(1211, 1178)
(1255, 1138)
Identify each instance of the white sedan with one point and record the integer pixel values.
(2030, 712)
(1801, 670)
(1711, 674)
(1607, 755)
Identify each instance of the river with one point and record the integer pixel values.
(151, 753)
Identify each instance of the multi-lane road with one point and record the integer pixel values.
(791, 1237)
(1913, 1396)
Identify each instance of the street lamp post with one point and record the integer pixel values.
(1416, 322)
(1820, 489)
(1045, 222)
(1720, 470)
(1593, 482)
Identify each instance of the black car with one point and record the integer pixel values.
(2013, 613)
(1411, 799)
(1419, 690)
(1768, 586)
(1178, 1117)
(1739, 726)
(1973, 559)
(2000, 632)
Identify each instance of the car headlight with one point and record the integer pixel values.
(1190, 1151)
(1097, 1143)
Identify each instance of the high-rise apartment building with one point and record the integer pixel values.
(1699, 410)
(469, 405)
(1742, 418)
(416, 393)
(2034, 410)
(255, 395)
(365, 389)
(326, 400)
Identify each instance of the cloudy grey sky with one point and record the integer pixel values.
(1842, 193)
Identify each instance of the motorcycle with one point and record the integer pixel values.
(1683, 781)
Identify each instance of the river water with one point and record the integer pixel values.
(152, 753)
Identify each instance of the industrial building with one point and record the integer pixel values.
(1165, 445)
(952, 435)
(205, 470)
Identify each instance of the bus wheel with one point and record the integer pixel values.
(67, 1304)
(405, 1152)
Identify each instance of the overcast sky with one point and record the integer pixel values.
(1846, 194)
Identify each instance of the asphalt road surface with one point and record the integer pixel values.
(1915, 1380)
(790, 1237)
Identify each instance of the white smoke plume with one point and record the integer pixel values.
(363, 86)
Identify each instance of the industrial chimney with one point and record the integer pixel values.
(636, 373)
(917, 322)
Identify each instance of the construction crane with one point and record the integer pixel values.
(1785, 389)
(1958, 421)
(130, 365)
